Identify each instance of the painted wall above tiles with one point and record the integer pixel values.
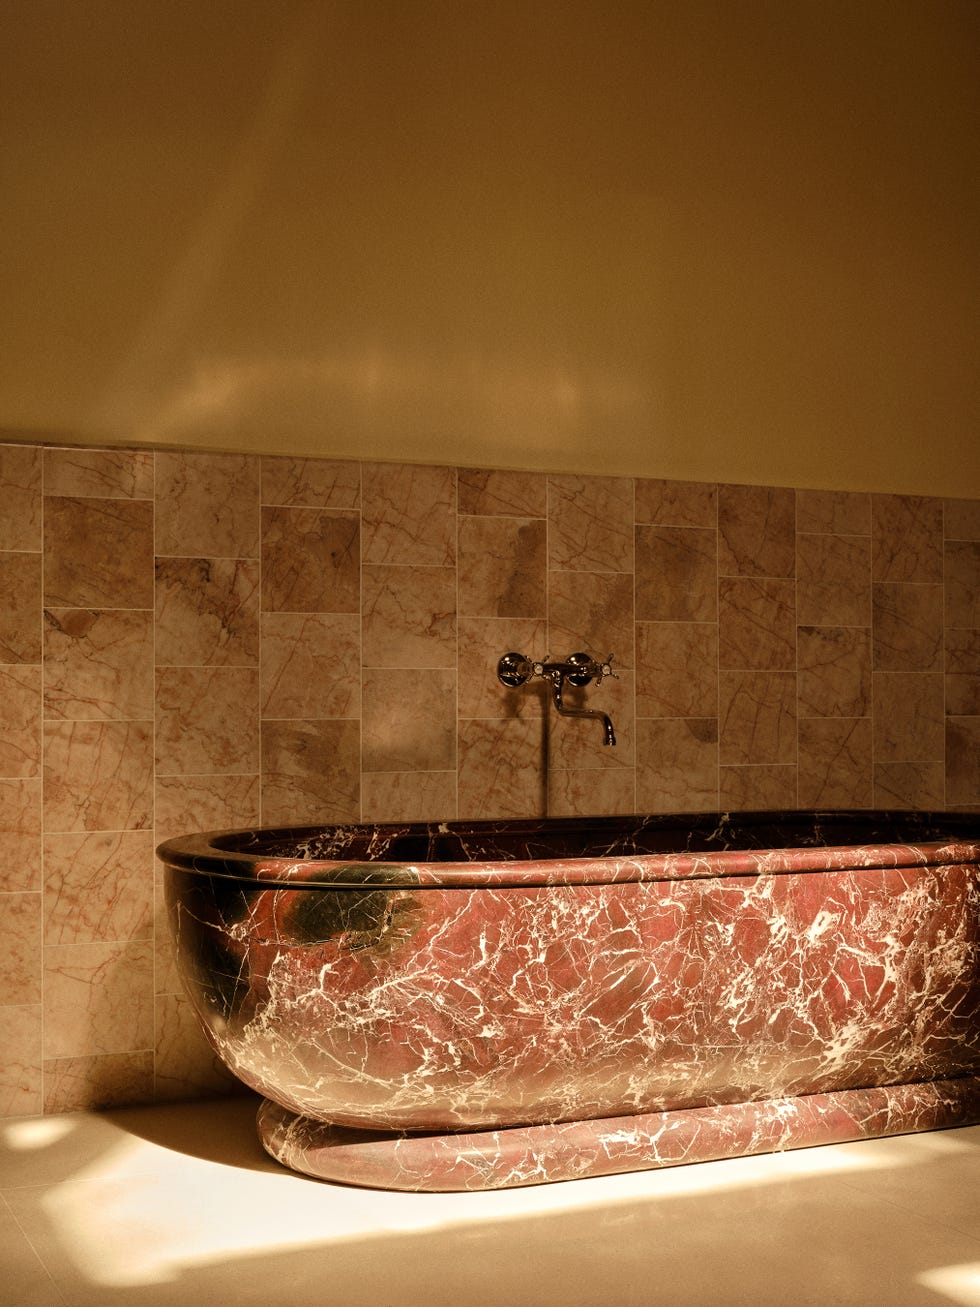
(196, 641)
(703, 240)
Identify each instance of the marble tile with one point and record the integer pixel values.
(408, 719)
(311, 665)
(98, 998)
(99, 473)
(756, 623)
(591, 791)
(98, 776)
(97, 1082)
(963, 651)
(409, 514)
(835, 763)
(962, 760)
(756, 531)
(207, 612)
(590, 522)
(310, 560)
(909, 785)
(20, 494)
(593, 612)
(310, 772)
(207, 720)
(501, 768)
(20, 834)
(907, 538)
(20, 958)
(20, 721)
(311, 482)
(833, 580)
(677, 764)
(408, 796)
(676, 669)
(20, 608)
(207, 505)
(908, 716)
(962, 577)
(961, 519)
(757, 723)
(962, 695)
(20, 1066)
(98, 664)
(98, 553)
(186, 804)
(676, 574)
(834, 665)
(98, 886)
(184, 1064)
(166, 977)
(409, 616)
(907, 627)
(676, 503)
(488, 492)
(962, 672)
(482, 643)
(502, 570)
(764, 788)
(580, 741)
(833, 512)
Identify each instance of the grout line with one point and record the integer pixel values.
(717, 627)
(545, 714)
(155, 942)
(44, 831)
(796, 639)
(459, 669)
(360, 641)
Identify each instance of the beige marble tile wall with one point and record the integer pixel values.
(191, 641)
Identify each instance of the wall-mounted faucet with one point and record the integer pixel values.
(577, 669)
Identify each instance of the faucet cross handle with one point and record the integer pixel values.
(583, 668)
(605, 669)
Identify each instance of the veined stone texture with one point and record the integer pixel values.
(200, 641)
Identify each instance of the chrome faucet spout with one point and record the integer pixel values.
(609, 735)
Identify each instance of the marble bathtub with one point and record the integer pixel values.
(488, 1004)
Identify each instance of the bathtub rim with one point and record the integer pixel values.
(223, 854)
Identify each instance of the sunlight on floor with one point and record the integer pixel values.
(160, 1223)
(36, 1132)
(162, 1205)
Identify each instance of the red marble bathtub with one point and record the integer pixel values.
(477, 1005)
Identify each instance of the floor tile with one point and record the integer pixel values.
(26, 1283)
(171, 1205)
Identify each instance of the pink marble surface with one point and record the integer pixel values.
(509, 1159)
(511, 992)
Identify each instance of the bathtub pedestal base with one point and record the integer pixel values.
(526, 1155)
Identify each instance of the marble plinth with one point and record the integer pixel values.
(543, 1154)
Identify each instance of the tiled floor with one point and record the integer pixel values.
(179, 1205)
